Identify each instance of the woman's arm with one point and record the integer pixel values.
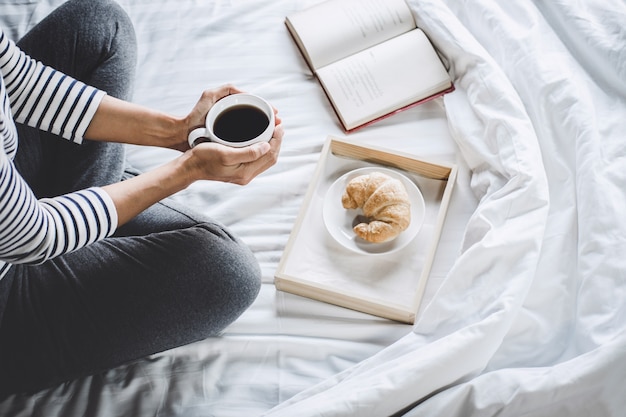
(207, 161)
(120, 121)
(33, 231)
(116, 120)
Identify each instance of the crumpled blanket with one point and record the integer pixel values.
(531, 320)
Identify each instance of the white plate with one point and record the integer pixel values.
(339, 221)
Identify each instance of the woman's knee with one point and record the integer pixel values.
(96, 14)
(232, 267)
(93, 41)
(112, 40)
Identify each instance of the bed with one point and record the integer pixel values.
(524, 311)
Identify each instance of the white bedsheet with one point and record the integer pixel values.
(524, 310)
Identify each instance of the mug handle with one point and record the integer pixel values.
(196, 134)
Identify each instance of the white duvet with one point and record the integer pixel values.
(531, 320)
(525, 309)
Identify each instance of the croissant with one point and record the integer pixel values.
(385, 203)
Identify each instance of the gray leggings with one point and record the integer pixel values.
(167, 278)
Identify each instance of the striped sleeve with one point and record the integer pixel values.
(33, 231)
(44, 98)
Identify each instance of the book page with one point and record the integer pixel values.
(389, 76)
(335, 29)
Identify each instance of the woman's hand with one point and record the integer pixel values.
(196, 118)
(212, 161)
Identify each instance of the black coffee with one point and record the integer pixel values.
(240, 123)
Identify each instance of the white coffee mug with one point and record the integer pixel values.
(236, 120)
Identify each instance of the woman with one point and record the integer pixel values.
(95, 269)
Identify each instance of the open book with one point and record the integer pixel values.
(369, 56)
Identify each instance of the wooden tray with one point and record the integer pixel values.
(390, 285)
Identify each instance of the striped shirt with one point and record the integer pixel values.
(31, 230)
